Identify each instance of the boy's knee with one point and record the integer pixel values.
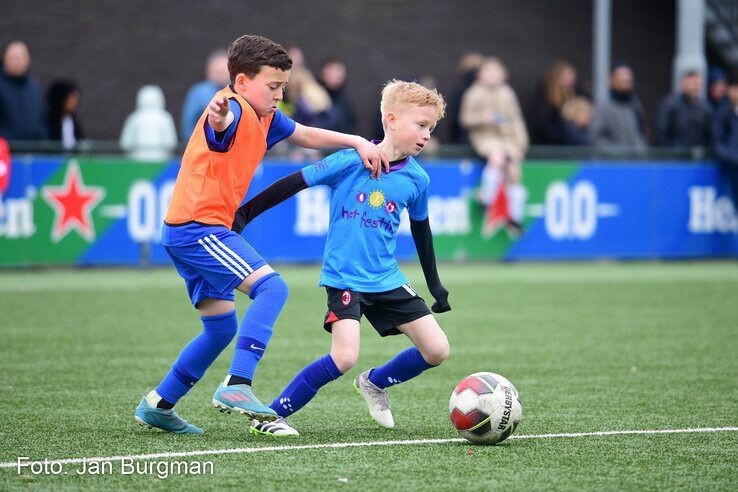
(344, 359)
(436, 354)
(272, 285)
(280, 287)
(222, 327)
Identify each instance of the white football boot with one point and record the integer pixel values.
(275, 428)
(376, 398)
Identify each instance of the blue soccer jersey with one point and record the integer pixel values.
(364, 219)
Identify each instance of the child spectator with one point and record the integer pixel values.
(62, 101)
(149, 133)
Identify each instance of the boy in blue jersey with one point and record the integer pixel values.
(360, 272)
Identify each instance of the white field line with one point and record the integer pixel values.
(211, 452)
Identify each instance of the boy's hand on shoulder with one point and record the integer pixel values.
(441, 305)
(372, 157)
(219, 115)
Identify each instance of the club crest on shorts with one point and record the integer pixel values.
(346, 297)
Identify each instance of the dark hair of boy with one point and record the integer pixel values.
(249, 53)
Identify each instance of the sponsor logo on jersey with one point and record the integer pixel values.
(376, 199)
(391, 207)
(383, 223)
(361, 197)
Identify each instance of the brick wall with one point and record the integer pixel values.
(111, 48)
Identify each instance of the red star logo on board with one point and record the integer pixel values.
(73, 202)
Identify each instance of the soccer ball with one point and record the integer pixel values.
(485, 408)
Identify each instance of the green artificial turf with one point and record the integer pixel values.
(591, 347)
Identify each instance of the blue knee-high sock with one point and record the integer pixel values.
(269, 294)
(404, 366)
(305, 386)
(196, 357)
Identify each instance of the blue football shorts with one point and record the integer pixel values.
(215, 264)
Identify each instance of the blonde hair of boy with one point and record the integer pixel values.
(398, 95)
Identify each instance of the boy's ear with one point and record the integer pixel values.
(241, 81)
(391, 119)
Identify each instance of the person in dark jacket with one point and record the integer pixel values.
(684, 119)
(342, 117)
(717, 88)
(21, 102)
(725, 138)
(550, 127)
(62, 100)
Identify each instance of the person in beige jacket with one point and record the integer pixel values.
(491, 114)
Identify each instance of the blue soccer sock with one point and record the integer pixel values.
(305, 386)
(196, 357)
(269, 294)
(404, 366)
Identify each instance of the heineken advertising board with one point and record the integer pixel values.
(77, 211)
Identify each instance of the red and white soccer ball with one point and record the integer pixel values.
(485, 408)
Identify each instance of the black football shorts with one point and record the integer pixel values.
(384, 310)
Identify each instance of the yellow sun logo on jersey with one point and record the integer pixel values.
(376, 199)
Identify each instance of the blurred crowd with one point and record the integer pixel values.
(484, 111)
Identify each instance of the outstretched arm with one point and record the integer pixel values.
(424, 244)
(275, 194)
(318, 138)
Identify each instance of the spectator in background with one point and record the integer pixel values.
(149, 133)
(576, 117)
(717, 88)
(684, 120)
(310, 101)
(492, 116)
(467, 70)
(619, 121)
(333, 79)
(21, 102)
(725, 137)
(559, 86)
(62, 99)
(200, 94)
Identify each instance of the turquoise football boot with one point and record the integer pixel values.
(167, 420)
(240, 398)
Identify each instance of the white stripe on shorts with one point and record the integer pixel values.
(234, 255)
(212, 253)
(227, 258)
(410, 290)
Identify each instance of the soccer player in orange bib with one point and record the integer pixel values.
(241, 123)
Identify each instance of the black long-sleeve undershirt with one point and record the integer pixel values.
(275, 194)
(423, 239)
